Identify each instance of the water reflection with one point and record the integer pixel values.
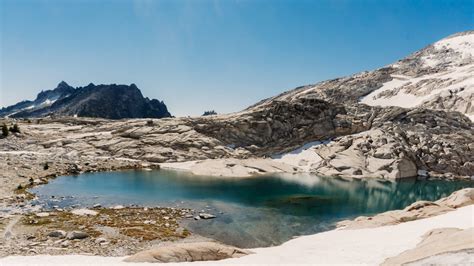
(252, 212)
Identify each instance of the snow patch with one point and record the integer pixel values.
(302, 157)
(463, 44)
(458, 50)
(453, 80)
(48, 101)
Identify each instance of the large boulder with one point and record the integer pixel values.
(181, 252)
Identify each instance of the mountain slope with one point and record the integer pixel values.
(104, 101)
(371, 123)
(440, 76)
(44, 100)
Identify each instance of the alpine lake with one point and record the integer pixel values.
(250, 212)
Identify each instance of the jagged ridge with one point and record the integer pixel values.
(103, 101)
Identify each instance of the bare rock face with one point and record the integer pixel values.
(401, 142)
(280, 125)
(188, 252)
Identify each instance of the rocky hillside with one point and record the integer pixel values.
(440, 76)
(104, 101)
(393, 122)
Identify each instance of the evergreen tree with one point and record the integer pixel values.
(4, 130)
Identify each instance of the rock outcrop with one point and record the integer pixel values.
(232, 167)
(188, 252)
(401, 143)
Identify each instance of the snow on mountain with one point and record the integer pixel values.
(106, 101)
(444, 78)
(406, 91)
(439, 76)
(43, 99)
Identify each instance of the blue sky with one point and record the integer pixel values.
(198, 55)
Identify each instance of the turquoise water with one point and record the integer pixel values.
(251, 212)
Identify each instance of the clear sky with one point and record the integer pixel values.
(198, 55)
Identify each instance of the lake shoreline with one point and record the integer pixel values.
(332, 247)
(31, 168)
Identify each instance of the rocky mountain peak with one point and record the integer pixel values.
(62, 84)
(105, 101)
(454, 50)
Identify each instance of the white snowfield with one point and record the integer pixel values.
(455, 55)
(343, 247)
(428, 87)
(302, 157)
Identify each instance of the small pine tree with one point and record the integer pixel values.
(4, 130)
(211, 112)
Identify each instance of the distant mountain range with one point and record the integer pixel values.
(103, 101)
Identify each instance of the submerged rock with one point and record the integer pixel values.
(188, 252)
(207, 216)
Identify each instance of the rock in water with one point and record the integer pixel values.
(199, 251)
(206, 216)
